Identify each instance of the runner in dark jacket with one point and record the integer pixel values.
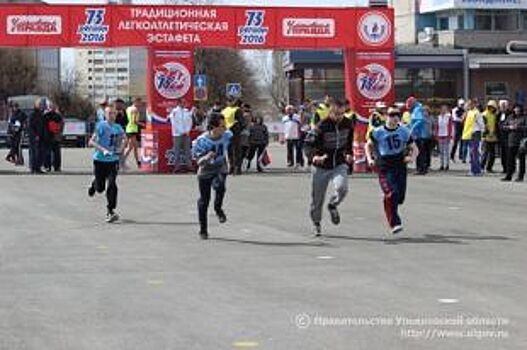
(329, 146)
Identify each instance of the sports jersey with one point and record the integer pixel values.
(205, 144)
(133, 118)
(391, 145)
(108, 136)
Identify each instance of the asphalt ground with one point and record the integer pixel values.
(455, 279)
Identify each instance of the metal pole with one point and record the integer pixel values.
(466, 75)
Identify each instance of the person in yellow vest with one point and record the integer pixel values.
(234, 122)
(406, 118)
(490, 136)
(472, 130)
(377, 118)
(133, 115)
(321, 112)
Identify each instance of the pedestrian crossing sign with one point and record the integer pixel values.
(234, 89)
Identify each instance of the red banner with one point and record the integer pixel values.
(195, 26)
(169, 80)
(369, 78)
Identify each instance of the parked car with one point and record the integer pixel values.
(3, 134)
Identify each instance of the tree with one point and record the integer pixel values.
(68, 100)
(17, 75)
(224, 66)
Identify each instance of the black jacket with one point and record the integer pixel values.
(37, 125)
(332, 139)
(259, 135)
(516, 128)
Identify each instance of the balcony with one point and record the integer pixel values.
(474, 39)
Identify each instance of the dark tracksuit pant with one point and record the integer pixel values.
(53, 156)
(504, 151)
(206, 184)
(257, 150)
(458, 131)
(235, 152)
(489, 155)
(393, 185)
(294, 153)
(512, 155)
(422, 158)
(106, 172)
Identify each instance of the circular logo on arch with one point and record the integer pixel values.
(374, 28)
(172, 80)
(374, 81)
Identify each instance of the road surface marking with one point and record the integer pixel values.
(454, 208)
(448, 301)
(325, 257)
(245, 344)
(156, 282)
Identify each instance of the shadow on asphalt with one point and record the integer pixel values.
(271, 244)
(425, 239)
(156, 223)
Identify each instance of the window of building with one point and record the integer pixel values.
(89, 69)
(110, 70)
(90, 61)
(461, 22)
(122, 69)
(524, 19)
(496, 89)
(506, 20)
(97, 70)
(98, 61)
(483, 20)
(443, 23)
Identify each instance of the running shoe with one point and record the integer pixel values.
(111, 217)
(222, 218)
(335, 217)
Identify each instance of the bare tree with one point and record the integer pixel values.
(224, 66)
(17, 75)
(275, 83)
(69, 101)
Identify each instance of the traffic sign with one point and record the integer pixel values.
(201, 94)
(234, 89)
(200, 80)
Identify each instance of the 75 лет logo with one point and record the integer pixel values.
(253, 32)
(94, 31)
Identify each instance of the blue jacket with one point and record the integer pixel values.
(419, 122)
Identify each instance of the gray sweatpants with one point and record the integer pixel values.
(320, 181)
(182, 144)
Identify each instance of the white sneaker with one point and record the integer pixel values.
(111, 217)
(397, 229)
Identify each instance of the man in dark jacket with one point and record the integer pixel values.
(55, 126)
(258, 141)
(516, 127)
(503, 134)
(15, 130)
(37, 134)
(329, 146)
